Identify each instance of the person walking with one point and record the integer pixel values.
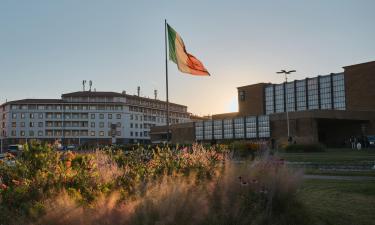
(353, 142)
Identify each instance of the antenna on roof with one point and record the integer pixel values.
(90, 83)
(83, 84)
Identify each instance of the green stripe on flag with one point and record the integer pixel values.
(171, 41)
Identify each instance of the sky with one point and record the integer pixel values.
(48, 47)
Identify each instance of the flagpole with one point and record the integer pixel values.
(166, 76)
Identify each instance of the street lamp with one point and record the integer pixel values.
(286, 99)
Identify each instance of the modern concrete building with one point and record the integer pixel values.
(86, 117)
(326, 109)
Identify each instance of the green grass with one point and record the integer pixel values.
(339, 173)
(337, 202)
(332, 156)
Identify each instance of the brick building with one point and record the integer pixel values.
(326, 109)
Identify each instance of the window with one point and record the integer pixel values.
(31, 124)
(118, 133)
(301, 95)
(101, 133)
(325, 92)
(14, 115)
(101, 116)
(92, 133)
(92, 116)
(263, 126)
(118, 124)
(40, 124)
(228, 129)
(131, 125)
(14, 124)
(338, 91)
(251, 127)
(118, 116)
(239, 128)
(131, 133)
(218, 129)
(279, 98)
(241, 95)
(136, 125)
(22, 124)
(269, 99)
(92, 124)
(40, 116)
(136, 134)
(290, 98)
(31, 115)
(40, 133)
(109, 116)
(22, 133)
(101, 124)
(199, 130)
(207, 129)
(31, 133)
(13, 133)
(312, 87)
(131, 117)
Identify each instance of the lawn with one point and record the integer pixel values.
(339, 202)
(332, 156)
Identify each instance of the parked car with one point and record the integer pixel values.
(15, 149)
(371, 140)
(66, 147)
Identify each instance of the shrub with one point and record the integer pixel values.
(304, 148)
(181, 185)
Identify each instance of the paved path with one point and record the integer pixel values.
(326, 177)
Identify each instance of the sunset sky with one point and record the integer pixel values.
(48, 47)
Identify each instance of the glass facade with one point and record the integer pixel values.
(251, 127)
(199, 130)
(290, 98)
(208, 130)
(313, 93)
(279, 98)
(269, 99)
(338, 91)
(263, 126)
(218, 129)
(301, 95)
(325, 92)
(239, 128)
(228, 129)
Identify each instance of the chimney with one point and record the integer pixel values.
(124, 92)
(156, 94)
(138, 91)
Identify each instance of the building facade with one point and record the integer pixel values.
(325, 109)
(86, 117)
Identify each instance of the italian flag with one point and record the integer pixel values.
(186, 62)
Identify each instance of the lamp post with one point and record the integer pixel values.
(286, 99)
